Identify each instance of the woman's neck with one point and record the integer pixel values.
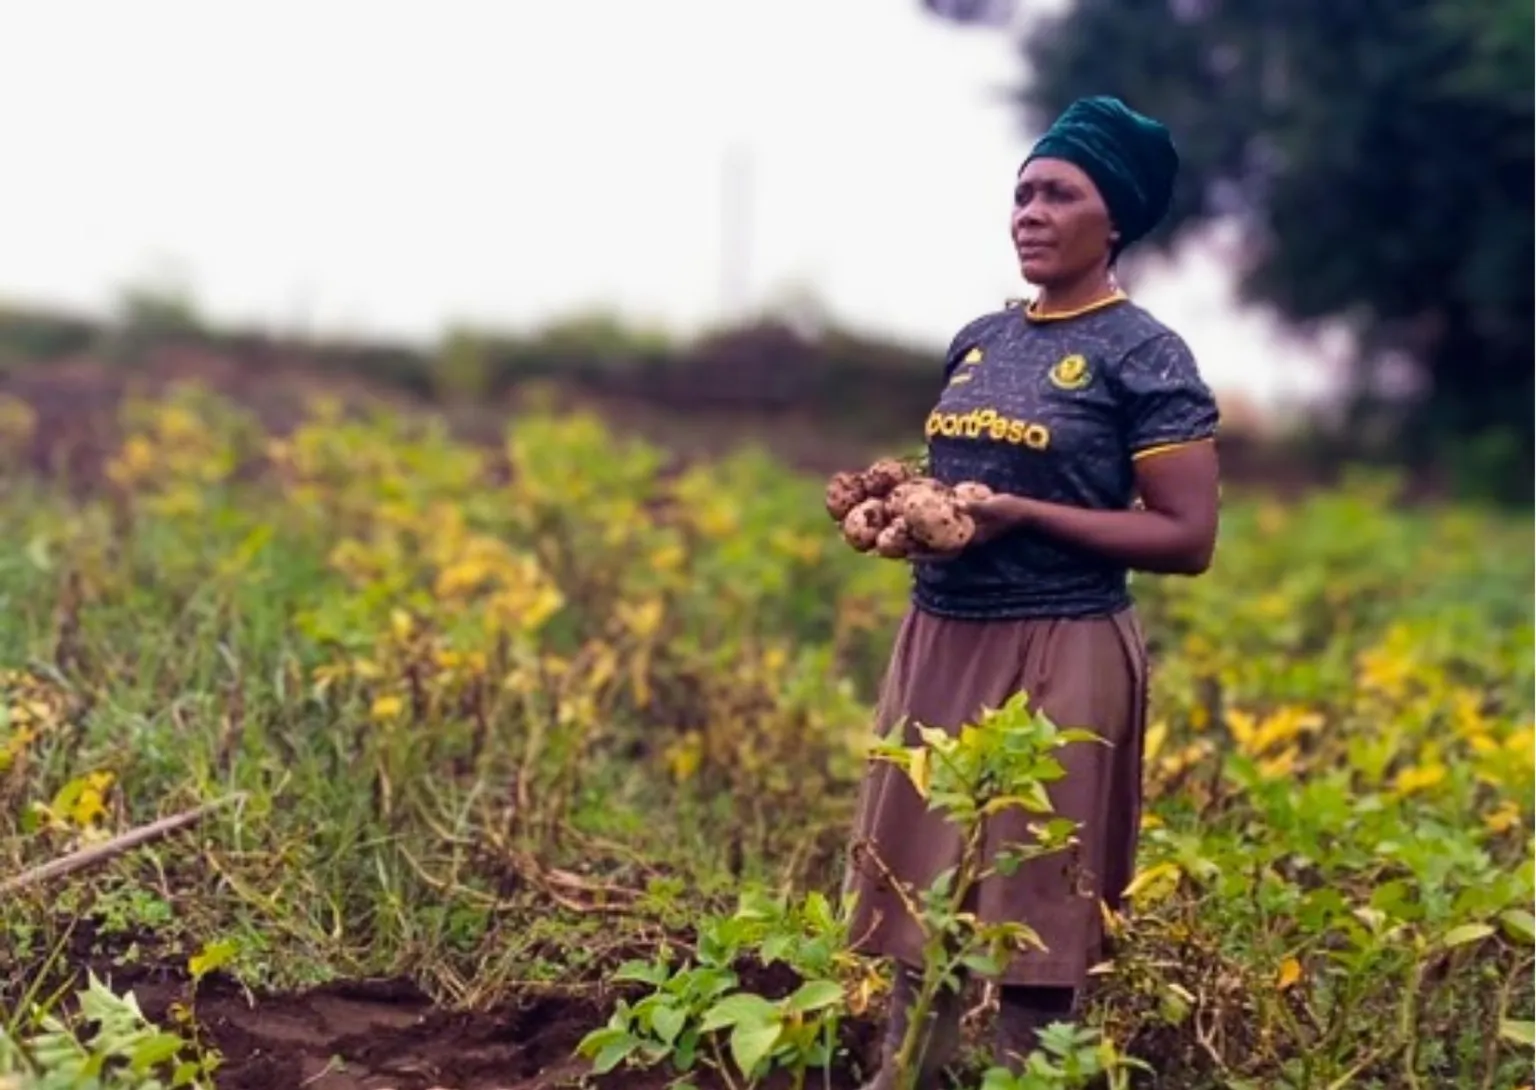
(1067, 298)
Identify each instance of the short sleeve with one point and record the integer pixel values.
(1164, 401)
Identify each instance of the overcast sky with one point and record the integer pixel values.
(386, 168)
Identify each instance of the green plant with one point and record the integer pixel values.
(1069, 1058)
(1002, 760)
(107, 1045)
(697, 1012)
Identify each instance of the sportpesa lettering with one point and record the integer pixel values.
(991, 424)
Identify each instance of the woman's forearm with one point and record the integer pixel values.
(1142, 539)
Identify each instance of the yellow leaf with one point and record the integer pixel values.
(1284, 726)
(212, 956)
(1241, 725)
(1419, 778)
(459, 579)
(1521, 745)
(14, 745)
(1153, 874)
(863, 992)
(1466, 713)
(1389, 668)
(88, 807)
(387, 707)
(685, 756)
(667, 559)
(82, 800)
(919, 771)
(1157, 734)
(1282, 764)
(1290, 973)
(1502, 819)
(605, 666)
(644, 619)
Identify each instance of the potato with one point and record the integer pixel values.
(885, 475)
(895, 541)
(845, 491)
(936, 523)
(900, 493)
(971, 492)
(893, 501)
(862, 527)
(894, 511)
(915, 492)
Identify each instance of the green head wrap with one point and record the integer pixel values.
(1129, 157)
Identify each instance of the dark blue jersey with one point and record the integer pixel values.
(1056, 409)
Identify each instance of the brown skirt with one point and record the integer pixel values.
(1088, 672)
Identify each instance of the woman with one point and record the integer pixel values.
(1069, 408)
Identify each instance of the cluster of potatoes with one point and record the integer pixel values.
(891, 509)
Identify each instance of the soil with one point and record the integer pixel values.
(387, 1035)
(367, 1038)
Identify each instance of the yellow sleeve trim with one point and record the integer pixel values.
(1164, 448)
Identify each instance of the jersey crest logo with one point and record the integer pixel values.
(1071, 373)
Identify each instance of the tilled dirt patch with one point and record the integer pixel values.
(386, 1035)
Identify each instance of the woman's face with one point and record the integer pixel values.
(1061, 227)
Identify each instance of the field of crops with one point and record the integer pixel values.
(516, 748)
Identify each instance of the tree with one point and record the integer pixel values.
(1377, 155)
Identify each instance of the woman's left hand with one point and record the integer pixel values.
(994, 516)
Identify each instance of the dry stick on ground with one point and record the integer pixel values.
(118, 845)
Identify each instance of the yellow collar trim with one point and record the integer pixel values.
(1032, 312)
